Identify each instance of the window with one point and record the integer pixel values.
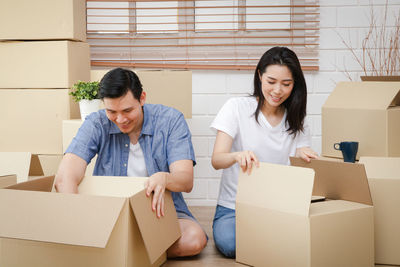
(202, 34)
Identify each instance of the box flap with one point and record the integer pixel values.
(338, 180)
(114, 186)
(23, 164)
(277, 187)
(59, 218)
(381, 167)
(158, 233)
(364, 95)
(44, 184)
(7, 180)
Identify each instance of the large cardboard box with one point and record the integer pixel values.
(7, 180)
(109, 223)
(171, 88)
(69, 130)
(277, 226)
(384, 180)
(43, 64)
(31, 119)
(27, 165)
(43, 20)
(367, 112)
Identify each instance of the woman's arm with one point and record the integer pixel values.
(222, 158)
(306, 153)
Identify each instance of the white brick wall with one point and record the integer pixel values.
(347, 18)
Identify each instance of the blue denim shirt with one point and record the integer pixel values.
(164, 139)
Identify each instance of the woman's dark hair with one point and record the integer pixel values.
(296, 103)
(117, 82)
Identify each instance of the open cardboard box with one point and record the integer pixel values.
(276, 225)
(109, 223)
(366, 112)
(384, 180)
(27, 165)
(7, 180)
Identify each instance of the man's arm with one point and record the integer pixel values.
(179, 179)
(70, 173)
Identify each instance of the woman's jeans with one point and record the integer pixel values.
(224, 227)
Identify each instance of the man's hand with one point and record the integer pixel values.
(157, 184)
(306, 153)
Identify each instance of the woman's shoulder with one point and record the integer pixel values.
(243, 101)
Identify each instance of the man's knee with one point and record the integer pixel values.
(195, 241)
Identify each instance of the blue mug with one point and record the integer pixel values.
(349, 150)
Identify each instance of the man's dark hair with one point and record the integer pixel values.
(117, 82)
(297, 101)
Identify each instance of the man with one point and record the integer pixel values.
(132, 138)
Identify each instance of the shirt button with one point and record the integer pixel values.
(126, 145)
(125, 165)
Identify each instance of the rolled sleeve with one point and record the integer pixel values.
(85, 143)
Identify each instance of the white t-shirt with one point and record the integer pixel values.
(270, 144)
(136, 163)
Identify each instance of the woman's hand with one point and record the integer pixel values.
(306, 153)
(245, 159)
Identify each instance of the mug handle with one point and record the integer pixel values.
(336, 146)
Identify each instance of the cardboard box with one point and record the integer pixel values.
(69, 130)
(27, 165)
(171, 88)
(367, 112)
(41, 64)
(43, 20)
(384, 180)
(277, 226)
(32, 119)
(7, 180)
(109, 223)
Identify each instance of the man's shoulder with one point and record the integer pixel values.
(99, 120)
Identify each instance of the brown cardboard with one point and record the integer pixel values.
(7, 180)
(23, 164)
(69, 130)
(275, 216)
(43, 64)
(366, 112)
(43, 20)
(97, 227)
(32, 119)
(171, 88)
(384, 180)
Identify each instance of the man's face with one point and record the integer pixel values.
(126, 112)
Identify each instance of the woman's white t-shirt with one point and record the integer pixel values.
(270, 144)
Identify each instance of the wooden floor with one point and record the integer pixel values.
(210, 255)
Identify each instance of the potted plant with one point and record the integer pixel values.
(87, 95)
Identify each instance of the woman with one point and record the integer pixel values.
(267, 126)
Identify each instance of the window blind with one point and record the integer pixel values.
(201, 34)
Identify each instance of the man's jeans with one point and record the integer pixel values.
(224, 226)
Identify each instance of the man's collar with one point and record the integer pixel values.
(147, 127)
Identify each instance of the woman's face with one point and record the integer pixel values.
(276, 85)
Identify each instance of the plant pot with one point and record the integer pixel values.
(88, 106)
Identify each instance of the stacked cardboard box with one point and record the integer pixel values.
(43, 52)
(369, 113)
